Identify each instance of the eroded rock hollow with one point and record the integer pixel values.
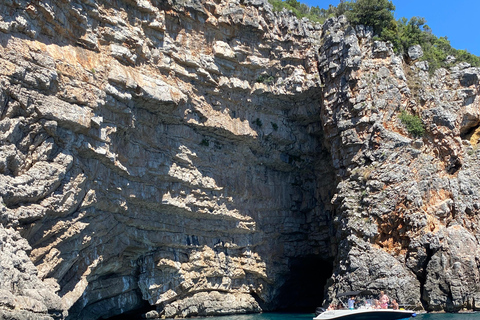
(182, 158)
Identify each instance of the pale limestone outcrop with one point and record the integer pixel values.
(197, 158)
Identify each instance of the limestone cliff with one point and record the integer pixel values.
(180, 158)
(406, 213)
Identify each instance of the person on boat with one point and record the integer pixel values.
(339, 306)
(331, 307)
(383, 298)
(394, 304)
(351, 303)
(368, 304)
(376, 304)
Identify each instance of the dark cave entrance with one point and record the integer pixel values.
(134, 314)
(466, 133)
(304, 289)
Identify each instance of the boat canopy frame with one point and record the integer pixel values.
(355, 293)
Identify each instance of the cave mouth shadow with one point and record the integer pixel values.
(303, 291)
(134, 314)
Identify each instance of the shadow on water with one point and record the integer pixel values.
(136, 314)
(265, 316)
(309, 316)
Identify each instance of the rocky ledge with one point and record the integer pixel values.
(183, 158)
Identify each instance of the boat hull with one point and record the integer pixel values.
(366, 314)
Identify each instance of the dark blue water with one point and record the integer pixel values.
(309, 316)
(265, 316)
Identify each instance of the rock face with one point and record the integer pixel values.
(406, 208)
(22, 293)
(185, 158)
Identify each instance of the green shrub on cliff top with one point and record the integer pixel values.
(301, 10)
(379, 14)
(375, 13)
(435, 50)
(404, 33)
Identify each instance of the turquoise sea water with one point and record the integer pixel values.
(449, 316)
(309, 316)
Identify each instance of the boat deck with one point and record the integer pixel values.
(366, 314)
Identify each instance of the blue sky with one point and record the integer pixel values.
(459, 20)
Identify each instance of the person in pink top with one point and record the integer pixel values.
(383, 299)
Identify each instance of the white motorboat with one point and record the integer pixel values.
(366, 314)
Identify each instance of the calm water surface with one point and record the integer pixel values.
(309, 316)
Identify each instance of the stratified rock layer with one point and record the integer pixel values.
(162, 154)
(198, 158)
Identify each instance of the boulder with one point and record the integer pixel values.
(415, 52)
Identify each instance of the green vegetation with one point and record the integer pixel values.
(274, 126)
(435, 50)
(405, 33)
(363, 195)
(473, 151)
(379, 14)
(258, 122)
(205, 142)
(302, 10)
(264, 78)
(413, 123)
(375, 13)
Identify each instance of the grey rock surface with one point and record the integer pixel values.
(401, 211)
(22, 294)
(415, 52)
(146, 162)
(199, 158)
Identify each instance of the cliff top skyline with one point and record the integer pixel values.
(457, 21)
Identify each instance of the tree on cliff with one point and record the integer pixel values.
(379, 14)
(375, 13)
(314, 14)
(403, 33)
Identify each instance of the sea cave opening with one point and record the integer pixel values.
(134, 314)
(304, 289)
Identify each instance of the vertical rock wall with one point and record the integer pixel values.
(162, 155)
(407, 207)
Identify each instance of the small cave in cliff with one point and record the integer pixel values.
(304, 289)
(471, 133)
(135, 314)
